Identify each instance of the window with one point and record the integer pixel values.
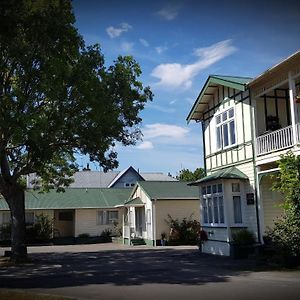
(235, 187)
(212, 204)
(225, 129)
(106, 217)
(237, 210)
(113, 216)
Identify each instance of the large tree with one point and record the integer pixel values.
(189, 176)
(57, 98)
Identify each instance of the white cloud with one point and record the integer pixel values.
(177, 75)
(127, 46)
(161, 49)
(144, 42)
(146, 145)
(157, 130)
(162, 108)
(169, 12)
(114, 32)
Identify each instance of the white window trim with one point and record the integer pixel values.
(212, 195)
(220, 125)
(239, 194)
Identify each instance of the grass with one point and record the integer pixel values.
(20, 295)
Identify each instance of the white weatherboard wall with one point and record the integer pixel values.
(86, 221)
(243, 150)
(177, 209)
(271, 201)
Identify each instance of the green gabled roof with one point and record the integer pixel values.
(134, 202)
(235, 82)
(168, 190)
(74, 198)
(228, 173)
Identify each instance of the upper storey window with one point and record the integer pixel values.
(225, 127)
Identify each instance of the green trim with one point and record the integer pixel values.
(228, 173)
(238, 83)
(149, 242)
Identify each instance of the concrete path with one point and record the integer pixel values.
(111, 271)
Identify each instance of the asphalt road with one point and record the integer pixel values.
(121, 272)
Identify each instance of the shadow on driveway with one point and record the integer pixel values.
(130, 267)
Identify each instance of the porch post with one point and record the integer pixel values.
(260, 207)
(292, 94)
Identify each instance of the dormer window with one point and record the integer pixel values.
(225, 129)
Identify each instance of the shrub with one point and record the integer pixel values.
(83, 235)
(243, 237)
(184, 232)
(106, 235)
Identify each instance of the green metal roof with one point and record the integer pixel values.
(134, 202)
(168, 190)
(74, 198)
(228, 173)
(235, 82)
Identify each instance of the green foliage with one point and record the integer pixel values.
(243, 237)
(106, 235)
(189, 176)
(285, 235)
(117, 230)
(83, 235)
(184, 232)
(41, 230)
(57, 95)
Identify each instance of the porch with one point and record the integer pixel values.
(277, 140)
(276, 99)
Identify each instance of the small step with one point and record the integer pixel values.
(138, 242)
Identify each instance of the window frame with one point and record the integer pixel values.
(220, 126)
(239, 194)
(208, 201)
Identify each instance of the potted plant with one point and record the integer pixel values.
(242, 244)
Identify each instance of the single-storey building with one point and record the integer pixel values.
(149, 205)
(75, 211)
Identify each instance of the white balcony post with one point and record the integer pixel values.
(292, 93)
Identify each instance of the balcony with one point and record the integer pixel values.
(277, 140)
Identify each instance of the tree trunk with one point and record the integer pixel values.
(16, 202)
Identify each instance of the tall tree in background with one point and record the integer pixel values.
(57, 98)
(189, 176)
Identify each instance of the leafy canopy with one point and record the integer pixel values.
(57, 97)
(188, 176)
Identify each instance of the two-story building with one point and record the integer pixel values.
(246, 125)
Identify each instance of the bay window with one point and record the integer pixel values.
(212, 204)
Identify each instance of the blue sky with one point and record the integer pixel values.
(178, 44)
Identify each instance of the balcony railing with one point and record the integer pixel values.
(276, 140)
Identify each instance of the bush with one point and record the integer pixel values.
(41, 230)
(106, 235)
(185, 232)
(243, 237)
(83, 235)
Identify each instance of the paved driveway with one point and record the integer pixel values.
(108, 271)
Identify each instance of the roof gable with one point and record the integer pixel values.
(212, 82)
(123, 174)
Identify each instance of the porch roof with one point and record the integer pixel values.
(134, 202)
(73, 198)
(208, 90)
(228, 173)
